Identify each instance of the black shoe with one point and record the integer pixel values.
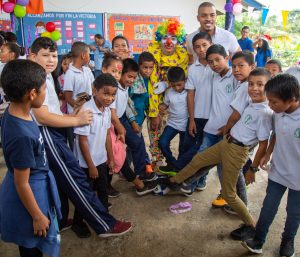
(243, 233)
(253, 245)
(113, 193)
(168, 169)
(165, 180)
(287, 248)
(81, 230)
(147, 177)
(148, 187)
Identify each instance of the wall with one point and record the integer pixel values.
(186, 9)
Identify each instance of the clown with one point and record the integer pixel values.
(168, 52)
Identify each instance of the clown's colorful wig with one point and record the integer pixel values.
(172, 27)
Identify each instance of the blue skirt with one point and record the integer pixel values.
(16, 224)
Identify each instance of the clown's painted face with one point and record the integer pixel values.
(168, 43)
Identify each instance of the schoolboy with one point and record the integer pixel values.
(78, 77)
(175, 101)
(254, 126)
(283, 95)
(29, 201)
(71, 181)
(273, 66)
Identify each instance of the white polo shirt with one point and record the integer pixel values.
(222, 96)
(200, 79)
(241, 97)
(96, 135)
(254, 125)
(285, 159)
(121, 101)
(178, 112)
(221, 36)
(78, 81)
(295, 71)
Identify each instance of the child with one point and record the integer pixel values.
(295, 71)
(29, 201)
(71, 180)
(264, 52)
(273, 66)
(283, 95)
(176, 103)
(232, 151)
(93, 142)
(120, 47)
(78, 78)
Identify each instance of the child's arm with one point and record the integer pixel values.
(40, 221)
(265, 159)
(118, 125)
(162, 107)
(109, 150)
(261, 151)
(234, 118)
(69, 98)
(191, 108)
(84, 148)
(46, 118)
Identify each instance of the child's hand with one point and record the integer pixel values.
(93, 173)
(249, 177)
(221, 131)
(162, 107)
(135, 127)
(155, 122)
(41, 225)
(111, 166)
(192, 128)
(264, 162)
(85, 117)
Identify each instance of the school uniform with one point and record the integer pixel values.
(176, 122)
(78, 81)
(72, 182)
(99, 56)
(295, 71)
(284, 174)
(255, 125)
(23, 148)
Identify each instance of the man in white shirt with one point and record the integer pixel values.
(207, 18)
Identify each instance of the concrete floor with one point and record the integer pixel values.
(204, 231)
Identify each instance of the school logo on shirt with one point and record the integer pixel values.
(297, 133)
(229, 88)
(248, 119)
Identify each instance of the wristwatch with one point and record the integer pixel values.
(254, 169)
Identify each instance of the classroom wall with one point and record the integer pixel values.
(186, 9)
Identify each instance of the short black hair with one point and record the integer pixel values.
(119, 37)
(105, 79)
(14, 48)
(206, 4)
(176, 74)
(78, 48)
(130, 65)
(99, 36)
(109, 57)
(246, 54)
(216, 49)
(245, 27)
(202, 35)
(145, 57)
(283, 86)
(43, 43)
(260, 72)
(274, 61)
(10, 37)
(20, 76)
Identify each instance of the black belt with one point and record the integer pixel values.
(231, 139)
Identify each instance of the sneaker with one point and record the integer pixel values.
(287, 248)
(168, 169)
(81, 230)
(219, 202)
(120, 228)
(113, 193)
(148, 187)
(243, 233)
(253, 245)
(147, 177)
(201, 186)
(229, 210)
(165, 181)
(67, 226)
(186, 189)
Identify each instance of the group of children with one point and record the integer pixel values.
(220, 113)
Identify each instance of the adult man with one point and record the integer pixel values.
(207, 18)
(245, 42)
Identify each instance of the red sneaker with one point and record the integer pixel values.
(120, 228)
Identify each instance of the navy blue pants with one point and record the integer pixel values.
(73, 183)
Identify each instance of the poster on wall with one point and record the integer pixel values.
(138, 29)
(5, 22)
(72, 26)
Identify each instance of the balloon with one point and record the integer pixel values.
(235, 1)
(228, 7)
(12, 1)
(22, 2)
(19, 11)
(55, 35)
(50, 26)
(237, 8)
(46, 34)
(8, 7)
